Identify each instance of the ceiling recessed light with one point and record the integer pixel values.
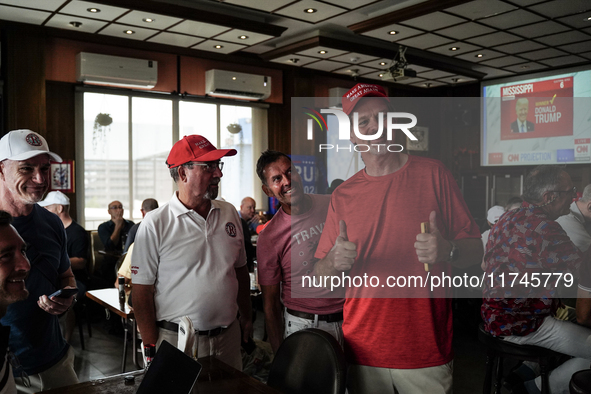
(218, 46)
(148, 20)
(380, 75)
(588, 18)
(310, 10)
(454, 48)
(479, 55)
(392, 32)
(322, 52)
(428, 85)
(455, 80)
(524, 67)
(93, 10)
(294, 60)
(243, 37)
(382, 63)
(233, 78)
(129, 32)
(75, 24)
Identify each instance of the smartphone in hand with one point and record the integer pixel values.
(64, 293)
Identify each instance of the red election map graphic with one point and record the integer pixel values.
(549, 109)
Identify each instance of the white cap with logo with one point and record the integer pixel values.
(495, 213)
(23, 144)
(55, 198)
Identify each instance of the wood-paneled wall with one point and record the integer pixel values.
(61, 130)
(23, 69)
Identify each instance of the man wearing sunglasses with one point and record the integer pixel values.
(113, 234)
(189, 259)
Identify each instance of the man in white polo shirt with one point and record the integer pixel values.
(189, 259)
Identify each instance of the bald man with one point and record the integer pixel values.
(113, 234)
(250, 221)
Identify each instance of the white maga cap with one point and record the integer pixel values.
(23, 144)
(55, 198)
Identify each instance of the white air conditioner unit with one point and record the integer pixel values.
(230, 84)
(115, 70)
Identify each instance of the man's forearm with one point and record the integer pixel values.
(273, 314)
(78, 263)
(243, 299)
(274, 323)
(67, 279)
(116, 235)
(145, 312)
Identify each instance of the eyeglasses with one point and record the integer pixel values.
(211, 167)
(116, 207)
(572, 191)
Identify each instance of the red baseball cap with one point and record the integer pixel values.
(350, 99)
(195, 148)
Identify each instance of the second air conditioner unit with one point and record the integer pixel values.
(234, 85)
(116, 71)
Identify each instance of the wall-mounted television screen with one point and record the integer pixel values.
(542, 119)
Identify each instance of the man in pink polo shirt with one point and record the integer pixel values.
(285, 252)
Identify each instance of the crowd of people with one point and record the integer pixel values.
(197, 249)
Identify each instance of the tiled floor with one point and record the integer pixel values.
(103, 353)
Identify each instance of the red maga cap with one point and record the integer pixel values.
(350, 99)
(195, 148)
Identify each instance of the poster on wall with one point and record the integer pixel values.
(62, 176)
(306, 166)
(422, 142)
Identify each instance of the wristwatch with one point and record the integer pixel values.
(454, 254)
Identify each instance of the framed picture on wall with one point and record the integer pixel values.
(62, 176)
(422, 142)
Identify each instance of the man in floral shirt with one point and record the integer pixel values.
(525, 244)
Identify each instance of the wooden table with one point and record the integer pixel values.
(109, 298)
(215, 377)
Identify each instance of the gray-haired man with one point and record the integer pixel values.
(35, 335)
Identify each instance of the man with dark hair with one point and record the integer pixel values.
(35, 335)
(285, 252)
(189, 259)
(525, 244)
(401, 345)
(149, 204)
(14, 268)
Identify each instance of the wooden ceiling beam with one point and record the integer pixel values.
(404, 14)
(197, 15)
(385, 50)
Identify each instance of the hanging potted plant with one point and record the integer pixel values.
(234, 128)
(102, 124)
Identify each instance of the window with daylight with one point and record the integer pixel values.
(127, 139)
